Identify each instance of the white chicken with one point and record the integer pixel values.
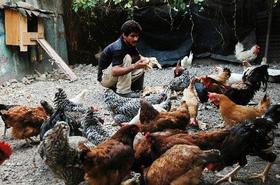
(78, 99)
(248, 55)
(187, 61)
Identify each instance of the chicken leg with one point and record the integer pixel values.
(263, 174)
(228, 177)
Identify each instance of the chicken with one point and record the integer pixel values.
(183, 65)
(72, 112)
(186, 62)
(26, 121)
(78, 100)
(152, 62)
(153, 90)
(125, 109)
(4, 108)
(92, 128)
(152, 120)
(59, 115)
(150, 147)
(61, 154)
(240, 93)
(181, 164)
(162, 107)
(181, 82)
(192, 101)
(178, 70)
(110, 161)
(247, 55)
(233, 114)
(222, 76)
(70, 105)
(253, 138)
(5, 151)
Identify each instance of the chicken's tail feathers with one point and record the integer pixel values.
(6, 107)
(6, 149)
(238, 48)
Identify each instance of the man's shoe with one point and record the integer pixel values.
(131, 95)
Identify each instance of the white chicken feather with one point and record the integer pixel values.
(187, 61)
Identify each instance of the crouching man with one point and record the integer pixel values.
(121, 67)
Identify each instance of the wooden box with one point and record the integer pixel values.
(22, 31)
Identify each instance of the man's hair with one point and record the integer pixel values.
(131, 26)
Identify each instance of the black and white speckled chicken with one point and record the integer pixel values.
(61, 154)
(93, 129)
(59, 115)
(181, 82)
(69, 110)
(124, 109)
(61, 99)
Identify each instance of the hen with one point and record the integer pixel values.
(5, 151)
(153, 145)
(192, 101)
(253, 138)
(72, 112)
(92, 128)
(181, 164)
(110, 161)
(4, 108)
(125, 109)
(233, 114)
(164, 106)
(183, 64)
(222, 76)
(240, 93)
(61, 154)
(247, 55)
(153, 120)
(26, 121)
(181, 82)
(59, 115)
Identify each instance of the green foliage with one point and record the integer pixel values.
(181, 5)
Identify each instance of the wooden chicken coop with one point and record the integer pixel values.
(24, 26)
(23, 29)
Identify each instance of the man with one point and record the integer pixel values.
(120, 63)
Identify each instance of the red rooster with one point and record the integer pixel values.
(5, 151)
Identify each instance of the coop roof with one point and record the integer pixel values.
(27, 9)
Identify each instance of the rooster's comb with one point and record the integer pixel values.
(6, 148)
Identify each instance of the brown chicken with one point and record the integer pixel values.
(153, 145)
(25, 121)
(181, 164)
(191, 99)
(109, 162)
(233, 114)
(5, 151)
(222, 76)
(152, 120)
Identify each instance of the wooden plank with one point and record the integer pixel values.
(22, 29)
(40, 27)
(29, 38)
(12, 19)
(57, 59)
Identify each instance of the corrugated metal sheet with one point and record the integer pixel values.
(274, 39)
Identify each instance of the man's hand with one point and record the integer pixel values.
(141, 63)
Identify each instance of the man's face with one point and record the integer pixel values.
(131, 39)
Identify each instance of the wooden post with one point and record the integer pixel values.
(264, 61)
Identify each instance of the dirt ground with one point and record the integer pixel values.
(19, 169)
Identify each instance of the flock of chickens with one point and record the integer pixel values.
(153, 139)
